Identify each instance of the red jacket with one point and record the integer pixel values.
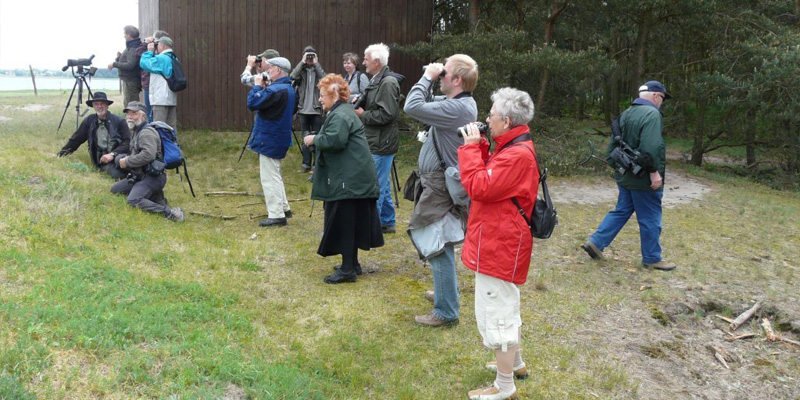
(498, 241)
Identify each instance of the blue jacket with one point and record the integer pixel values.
(272, 135)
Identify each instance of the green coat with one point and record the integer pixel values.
(381, 109)
(344, 168)
(641, 126)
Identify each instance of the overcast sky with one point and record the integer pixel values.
(45, 33)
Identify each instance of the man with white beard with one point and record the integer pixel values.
(144, 190)
(108, 136)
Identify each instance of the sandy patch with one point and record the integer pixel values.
(679, 189)
(35, 107)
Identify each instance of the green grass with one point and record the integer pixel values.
(98, 300)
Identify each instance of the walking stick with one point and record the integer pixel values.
(300, 149)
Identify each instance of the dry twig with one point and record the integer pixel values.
(220, 216)
(743, 317)
(742, 336)
(774, 337)
(724, 318)
(229, 193)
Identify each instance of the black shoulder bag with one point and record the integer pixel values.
(544, 217)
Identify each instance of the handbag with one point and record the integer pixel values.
(544, 217)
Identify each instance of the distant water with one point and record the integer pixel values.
(47, 83)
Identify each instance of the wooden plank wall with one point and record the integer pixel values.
(148, 17)
(212, 39)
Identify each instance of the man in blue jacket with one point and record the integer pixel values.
(272, 134)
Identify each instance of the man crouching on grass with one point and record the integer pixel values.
(144, 186)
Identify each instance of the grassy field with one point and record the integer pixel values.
(98, 300)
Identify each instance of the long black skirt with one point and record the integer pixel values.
(350, 224)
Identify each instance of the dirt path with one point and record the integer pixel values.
(679, 189)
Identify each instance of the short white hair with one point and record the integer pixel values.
(515, 104)
(379, 51)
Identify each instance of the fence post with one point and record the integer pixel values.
(33, 78)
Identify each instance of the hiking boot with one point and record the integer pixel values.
(339, 277)
(176, 214)
(273, 222)
(429, 295)
(520, 371)
(430, 319)
(661, 266)
(491, 393)
(306, 168)
(358, 269)
(388, 229)
(287, 214)
(592, 250)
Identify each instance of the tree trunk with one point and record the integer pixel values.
(548, 31)
(699, 134)
(750, 137)
(641, 48)
(474, 14)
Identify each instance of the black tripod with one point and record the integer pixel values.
(80, 80)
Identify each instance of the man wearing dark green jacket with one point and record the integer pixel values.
(641, 127)
(379, 115)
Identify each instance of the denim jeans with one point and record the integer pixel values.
(147, 104)
(647, 206)
(383, 166)
(445, 284)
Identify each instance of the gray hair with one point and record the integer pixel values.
(132, 31)
(379, 51)
(515, 104)
(160, 34)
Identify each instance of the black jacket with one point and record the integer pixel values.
(118, 132)
(128, 62)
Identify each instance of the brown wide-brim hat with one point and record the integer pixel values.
(98, 96)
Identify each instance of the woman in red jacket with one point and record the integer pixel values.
(498, 243)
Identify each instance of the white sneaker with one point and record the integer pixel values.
(491, 393)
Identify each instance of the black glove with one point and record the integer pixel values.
(64, 152)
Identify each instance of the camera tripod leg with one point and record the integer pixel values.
(395, 184)
(67, 106)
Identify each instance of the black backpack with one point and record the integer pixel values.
(544, 217)
(177, 81)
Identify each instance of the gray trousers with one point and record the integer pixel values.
(130, 90)
(168, 114)
(146, 194)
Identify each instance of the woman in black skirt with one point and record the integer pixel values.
(345, 180)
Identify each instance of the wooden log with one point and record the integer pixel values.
(721, 359)
(774, 337)
(220, 216)
(720, 350)
(743, 317)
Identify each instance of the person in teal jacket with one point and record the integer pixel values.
(345, 179)
(641, 127)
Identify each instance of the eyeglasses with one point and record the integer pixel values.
(662, 96)
(494, 115)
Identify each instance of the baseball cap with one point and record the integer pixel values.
(654, 86)
(281, 63)
(135, 106)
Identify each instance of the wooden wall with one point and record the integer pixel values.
(212, 39)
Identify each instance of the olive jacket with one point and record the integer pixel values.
(381, 109)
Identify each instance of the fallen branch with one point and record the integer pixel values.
(252, 217)
(260, 203)
(726, 319)
(742, 336)
(220, 216)
(296, 200)
(743, 317)
(721, 359)
(774, 337)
